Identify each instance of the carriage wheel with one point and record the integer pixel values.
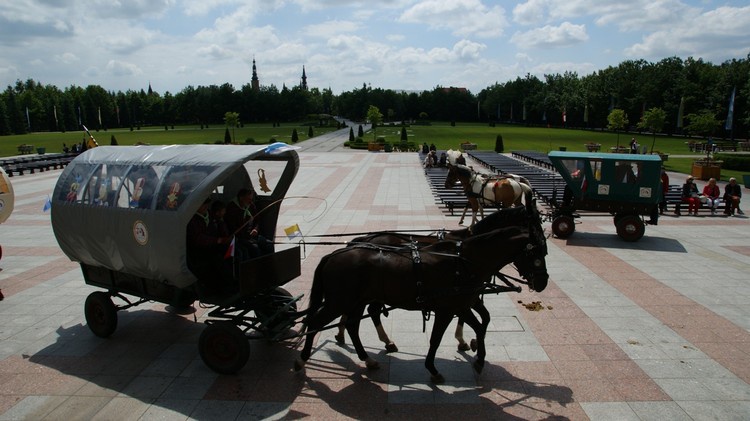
(224, 348)
(278, 299)
(101, 314)
(630, 228)
(563, 226)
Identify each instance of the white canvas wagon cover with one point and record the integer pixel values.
(126, 208)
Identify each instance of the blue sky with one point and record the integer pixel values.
(391, 44)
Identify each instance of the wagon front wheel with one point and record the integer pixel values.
(101, 314)
(563, 226)
(630, 228)
(224, 348)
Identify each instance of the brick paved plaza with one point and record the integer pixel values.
(653, 330)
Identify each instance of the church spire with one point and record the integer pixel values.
(255, 82)
(304, 79)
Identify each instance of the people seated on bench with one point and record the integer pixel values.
(689, 196)
(712, 194)
(732, 196)
(242, 222)
(204, 252)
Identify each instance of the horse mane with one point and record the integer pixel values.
(499, 218)
(452, 156)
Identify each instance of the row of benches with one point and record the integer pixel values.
(21, 165)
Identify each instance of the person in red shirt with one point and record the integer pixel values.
(711, 192)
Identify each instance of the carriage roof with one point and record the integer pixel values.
(126, 208)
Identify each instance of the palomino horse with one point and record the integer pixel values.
(444, 278)
(501, 218)
(481, 189)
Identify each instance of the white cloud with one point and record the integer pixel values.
(461, 17)
(717, 35)
(551, 36)
(395, 37)
(330, 28)
(214, 52)
(66, 58)
(121, 68)
(468, 50)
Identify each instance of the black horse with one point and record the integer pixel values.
(501, 218)
(444, 278)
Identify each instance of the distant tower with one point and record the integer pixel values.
(255, 81)
(304, 79)
(150, 91)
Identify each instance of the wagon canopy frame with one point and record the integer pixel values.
(126, 208)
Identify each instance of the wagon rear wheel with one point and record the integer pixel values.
(630, 228)
(563, 226)
(224, 348)
(101, 314)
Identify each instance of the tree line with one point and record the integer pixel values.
(684, 90)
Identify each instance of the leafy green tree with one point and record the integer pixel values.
(310, 132)
(404, 137)
(360, 131)
(703, 123)
(113, 141)
(654, 120)
(231, 119)
(227, 136)
(375, 117)
(295, 136)
(351, 134)
(618, 120)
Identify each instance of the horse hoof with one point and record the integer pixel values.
(463, 347)
(299, 364)
(437, 378)
(478, 366)
(340, 339)
(372, 364)
(474, 345)
(391, 347)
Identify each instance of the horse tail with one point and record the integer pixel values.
(316, 291)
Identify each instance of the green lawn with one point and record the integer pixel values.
(262, 133)
(443, 135)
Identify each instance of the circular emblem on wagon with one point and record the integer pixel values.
(140, 233)
(2, 204)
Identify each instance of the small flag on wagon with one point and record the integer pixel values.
(293, 232)
(47, 205)
(230, 250)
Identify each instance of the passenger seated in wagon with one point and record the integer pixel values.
(205, 252)
(242, 222)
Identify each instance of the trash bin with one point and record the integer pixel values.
(41, 151)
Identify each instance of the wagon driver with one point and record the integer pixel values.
(240, 220)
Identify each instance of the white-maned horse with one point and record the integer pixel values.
(483, 189)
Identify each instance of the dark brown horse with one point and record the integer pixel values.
(444, 278)
(501, 218)
(500, 191)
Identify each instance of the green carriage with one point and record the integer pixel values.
(628, 186)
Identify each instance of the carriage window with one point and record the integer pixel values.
(178, 183)
(574, 167)
(626, 172)
(102, 186)
(139, 186)
(596, 168)
(73, 191)
(265, 175)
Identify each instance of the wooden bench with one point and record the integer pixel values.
(25, 149)
(674, 200)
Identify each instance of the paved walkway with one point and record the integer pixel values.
(654, 330)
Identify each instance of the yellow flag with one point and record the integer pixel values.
(293, 232)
